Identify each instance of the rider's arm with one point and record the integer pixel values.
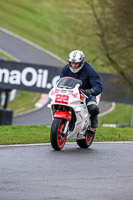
(96, 86)
(95, 82)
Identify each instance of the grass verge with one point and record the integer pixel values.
(121, 115)
(41, 134)
(24, 101)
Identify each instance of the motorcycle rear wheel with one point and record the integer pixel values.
(85, 143)
(57, 138)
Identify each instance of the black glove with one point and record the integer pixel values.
(87, 92)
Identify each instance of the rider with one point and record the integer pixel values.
(91, 84)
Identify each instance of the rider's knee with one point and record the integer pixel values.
(93, 109)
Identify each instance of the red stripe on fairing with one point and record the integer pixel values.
(63, 115)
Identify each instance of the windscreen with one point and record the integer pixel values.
(68, 82)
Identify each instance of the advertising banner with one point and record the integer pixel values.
(41, 78)
(26, 76)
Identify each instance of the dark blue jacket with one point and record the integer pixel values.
(88, 76)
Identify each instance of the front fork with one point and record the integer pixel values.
(66, 127)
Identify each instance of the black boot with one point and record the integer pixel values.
(94, 124)
(94, 121)
(94, 111)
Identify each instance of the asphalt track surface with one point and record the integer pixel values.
(25, 51)
(102, 172)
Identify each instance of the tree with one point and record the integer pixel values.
(114, 20)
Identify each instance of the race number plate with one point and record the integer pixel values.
(61, 99)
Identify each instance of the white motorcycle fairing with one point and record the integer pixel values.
(69, 104)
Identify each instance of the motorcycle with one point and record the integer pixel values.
(70, 115)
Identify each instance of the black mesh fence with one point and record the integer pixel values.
(115, 89)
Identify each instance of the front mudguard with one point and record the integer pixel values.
(63, 114)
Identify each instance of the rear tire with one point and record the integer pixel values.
(85, 143)
(57, 137)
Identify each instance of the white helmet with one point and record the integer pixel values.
(76, 56)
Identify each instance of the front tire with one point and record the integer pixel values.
(57, 138)
(85, 143)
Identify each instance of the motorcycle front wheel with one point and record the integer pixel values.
(57, 136)
(85, 143)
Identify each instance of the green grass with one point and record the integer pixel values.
(41, 134)
(58, 26)
(24, 134)
(120, 115)
(114, 134)
(24, 101)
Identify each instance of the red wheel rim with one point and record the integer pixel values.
(88, 139)
(61, 138)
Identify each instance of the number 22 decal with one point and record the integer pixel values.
(62, 98)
